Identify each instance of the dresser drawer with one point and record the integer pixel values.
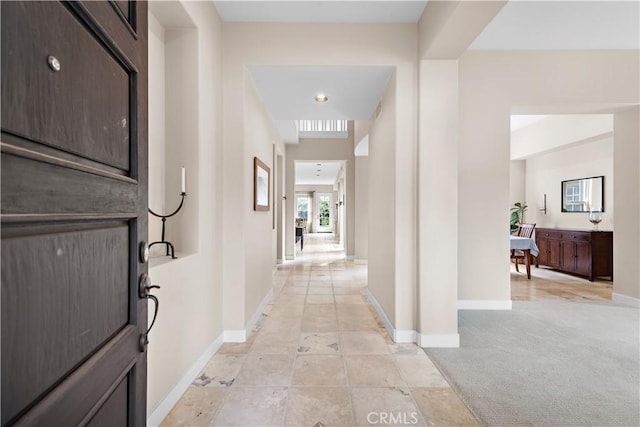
(549, 234)
(577, 236)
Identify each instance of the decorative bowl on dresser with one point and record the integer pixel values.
(581, 252)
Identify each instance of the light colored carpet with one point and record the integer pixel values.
(548, 363)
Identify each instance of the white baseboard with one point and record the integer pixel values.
(258, 313)
(376, 305)
(623, 299)
(289, 257)
(239, 335)
(162, 409)
(404, 337)
(279, 261)
(438, 340)
(350, 258)
(480, 304)
(361, 261)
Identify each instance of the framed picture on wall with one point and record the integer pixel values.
(261, 185)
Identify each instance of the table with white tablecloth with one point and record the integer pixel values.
(526, 245)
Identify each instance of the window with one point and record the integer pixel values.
(575, 196)
(322, 125)
(302, 207)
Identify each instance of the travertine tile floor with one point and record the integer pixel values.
(320, 357)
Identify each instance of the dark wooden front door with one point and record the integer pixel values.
(74, 212)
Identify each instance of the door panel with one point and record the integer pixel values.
(583, 258)
(543, 247)
(74, 211)
(554, 253)
(568, 255)
(123, 6)
(113, 412)
(79, 396)
(61, 188)
(91, 87)
(57, 309)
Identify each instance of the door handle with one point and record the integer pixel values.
(144, 292)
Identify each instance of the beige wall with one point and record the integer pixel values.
(557, 131)
(324, 149)
(259, 257)
(279, 204)
(546, 172)
(157, 149)
(248, 238)
(494, 85)
(382, 212)
(332, 44)
(447, 28)
(626, 242)
(312, 188)
(340, 194)
(517, 184)
(361, 234)
(174, 135)
(182, 146)
(360, 129)
(190, 316)
(439, 207)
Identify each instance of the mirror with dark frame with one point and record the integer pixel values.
(583, 195)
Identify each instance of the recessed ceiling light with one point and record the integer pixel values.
(321, 98)
(318, 164)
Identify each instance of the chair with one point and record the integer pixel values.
(524, 230)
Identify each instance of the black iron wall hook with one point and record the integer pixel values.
(164, 221)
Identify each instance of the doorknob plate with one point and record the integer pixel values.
(144, 252)
(142, 343)
(144, 284)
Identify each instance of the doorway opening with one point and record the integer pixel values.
(325, 215)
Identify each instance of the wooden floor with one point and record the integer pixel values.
(548, 284)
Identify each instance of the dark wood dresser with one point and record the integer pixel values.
(581, 252)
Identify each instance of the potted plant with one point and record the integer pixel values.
(517, 215)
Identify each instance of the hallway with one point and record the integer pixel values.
(319, 356)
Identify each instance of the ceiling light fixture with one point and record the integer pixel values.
(321, 98)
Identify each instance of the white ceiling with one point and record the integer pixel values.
(307, 172)
(353, 91)
(288, 91)
(321, 11)
(520, 25)
(563, 25)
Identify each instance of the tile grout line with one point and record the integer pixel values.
(295, 358)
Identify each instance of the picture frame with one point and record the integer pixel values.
(261, 185)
